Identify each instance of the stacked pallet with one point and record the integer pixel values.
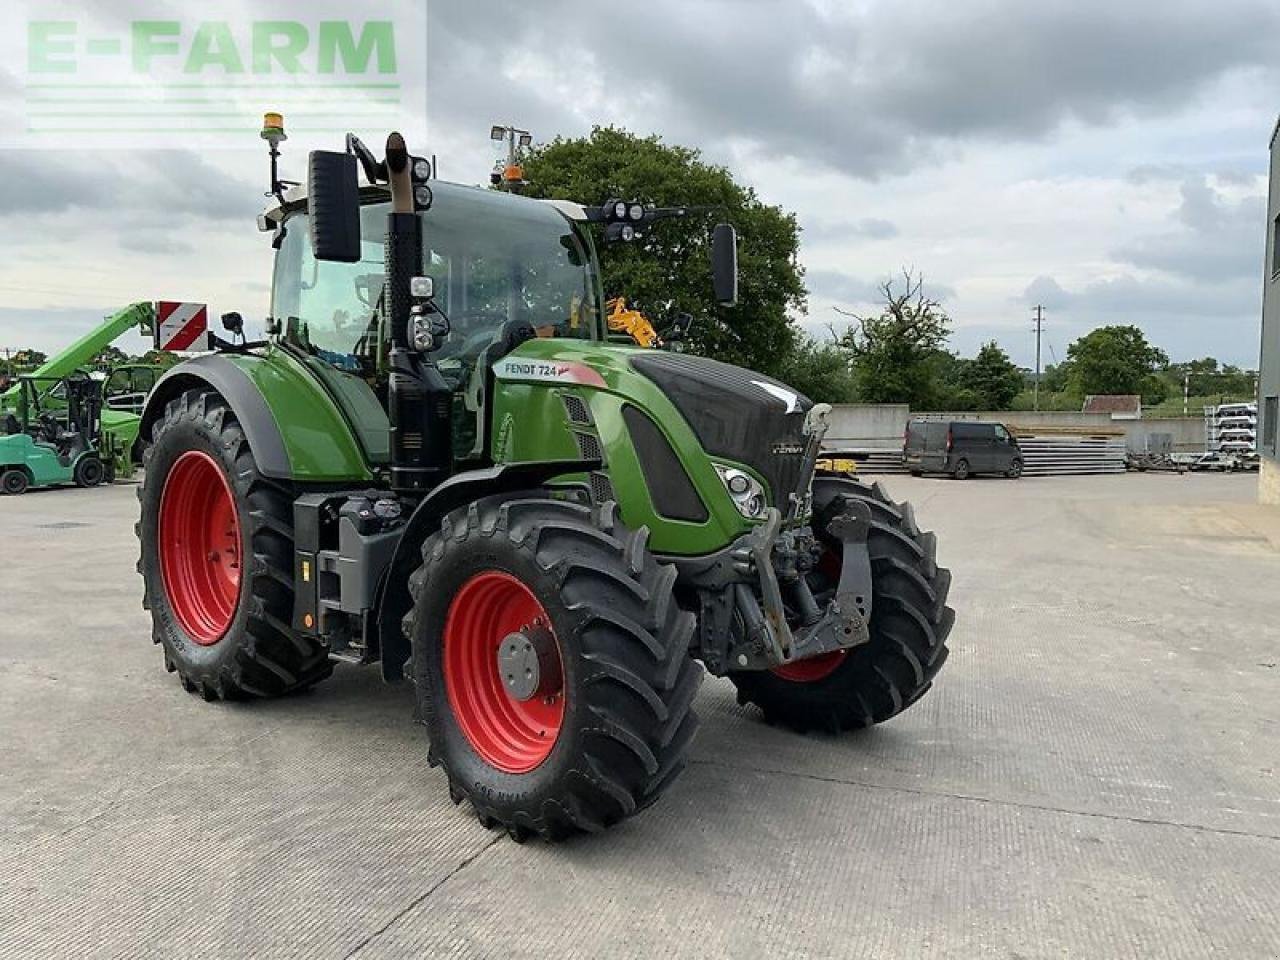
(1231, 428)
(1052, 456)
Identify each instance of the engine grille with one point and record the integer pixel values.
(735, 416)
(588, 445)
(575, 408)
(601, 487)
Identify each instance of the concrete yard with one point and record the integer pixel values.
(1095, 773)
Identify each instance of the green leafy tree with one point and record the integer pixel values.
(948, 373)
(110, 356)
(895, 352)
(24, 361)
(161, 358)
(1117, 359)
(1206, 377)
(1057, 377)
(668, 270)
(821, 370)
(992, 377)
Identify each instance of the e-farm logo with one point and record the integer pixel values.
(109, 80)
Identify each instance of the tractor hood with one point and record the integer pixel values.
(736, 414)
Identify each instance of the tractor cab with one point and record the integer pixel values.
(502, 269)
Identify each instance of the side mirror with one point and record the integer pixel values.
(724, 264)
(333, 201)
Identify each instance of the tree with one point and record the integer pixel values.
(1057, 377)
(992, 377)
(110, 356)
(821, 370)
(161, 358)
(1117, 359)
(1207, 378)
(668, 270)
(895, 353)
(24, 361)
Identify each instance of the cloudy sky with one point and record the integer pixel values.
(1106, 160)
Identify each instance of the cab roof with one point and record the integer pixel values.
(295, 198)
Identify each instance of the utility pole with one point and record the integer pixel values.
(1039, 331)
(1186, 391)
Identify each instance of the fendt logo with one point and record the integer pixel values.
(104, 78)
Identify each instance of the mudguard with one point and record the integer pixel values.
(294, 427)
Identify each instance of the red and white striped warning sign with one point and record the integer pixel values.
(182, 326)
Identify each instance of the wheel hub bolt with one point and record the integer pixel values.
(529, 664)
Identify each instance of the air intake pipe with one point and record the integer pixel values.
(419, 400)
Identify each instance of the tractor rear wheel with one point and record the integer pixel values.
(910, 620)
(217, 558)
(551, 663)
(14, 481)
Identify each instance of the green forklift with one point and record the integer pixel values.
(121, 394)
(53, 437)
(437, 463)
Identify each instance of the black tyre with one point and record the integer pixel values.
(217, 559)
(961, 470)
(909, 625)
(89, 471)
(14, 482)
(1015, 470)
(917, 473)
(581, 598)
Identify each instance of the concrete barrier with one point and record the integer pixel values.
(879, 426)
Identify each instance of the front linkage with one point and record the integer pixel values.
(757, 607)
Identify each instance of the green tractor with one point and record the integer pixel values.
(53, 436)
(437, 462)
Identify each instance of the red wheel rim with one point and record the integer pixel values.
(514, 736)
(200, 547)
(812, 669)
(822, 666)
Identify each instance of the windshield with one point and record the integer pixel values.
(495, 259)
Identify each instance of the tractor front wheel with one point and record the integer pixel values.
(551, 663)
(909, 624)
(217, 559)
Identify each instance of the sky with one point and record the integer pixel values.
(1104, 160)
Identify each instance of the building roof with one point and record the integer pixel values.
(1275, 132)
(1113, 403)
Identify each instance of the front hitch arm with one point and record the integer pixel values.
(846, 621)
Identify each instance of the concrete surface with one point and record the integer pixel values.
(1095, 774)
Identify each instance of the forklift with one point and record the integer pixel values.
(48, 443)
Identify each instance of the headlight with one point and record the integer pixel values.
(636, 212)
(745, 491)
(421, 336)
(620, 210)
